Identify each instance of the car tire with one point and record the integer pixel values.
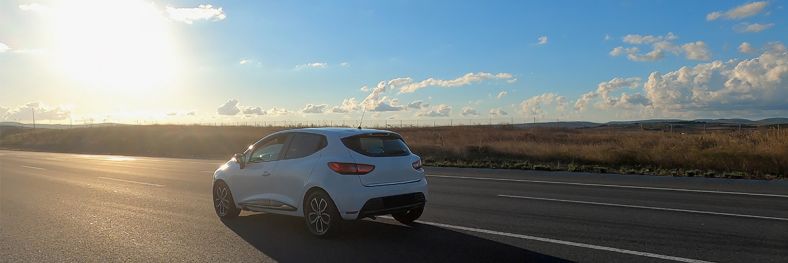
(223, 202)
(408, 217)
(321, 215)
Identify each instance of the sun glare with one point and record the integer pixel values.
(119, 46)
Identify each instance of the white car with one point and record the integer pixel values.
(326, 175)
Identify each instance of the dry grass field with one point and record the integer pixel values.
(754, 153)
(760, 153)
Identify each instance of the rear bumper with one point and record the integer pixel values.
(362, 201)
(392, 204)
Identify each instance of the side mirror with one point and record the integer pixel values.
(239, 158)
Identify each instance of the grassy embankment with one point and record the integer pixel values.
(758, 153)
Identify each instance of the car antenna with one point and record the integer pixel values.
(362, 117)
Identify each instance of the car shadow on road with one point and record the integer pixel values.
(285, 239)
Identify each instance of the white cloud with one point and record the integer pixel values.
(751, 27)
(660, 45)
(696, 51)
(739, 12)
(501, 94)
(374, 96)
(542, 40)
(758, 83)
(42, 112)
(254, 111)
(653, 55)
(344, 64)
(418, 104)
(582, 103)
(375, 101)
(201, 12)
(3, 47)
(605, 91)
(387, 104)
(315, 108)
(468, 111)
(497, 112)
(314, 65)
(347, 105)
(605, 88)
(636, 39)
(249, 62)
(441, 110)
(618, 51)
(534, 105)
(407, 85)
(630, 101)
(34, 7)
(720, 88)
(745, 47)
(713, 16)
(229, 108)
(277, 111)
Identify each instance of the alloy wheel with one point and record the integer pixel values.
(318, 216)
(222, 200)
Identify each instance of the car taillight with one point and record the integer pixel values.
(351, 168)
(417, 164)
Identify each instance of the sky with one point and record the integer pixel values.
(142, 61)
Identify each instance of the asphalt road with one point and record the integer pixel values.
(68, 207)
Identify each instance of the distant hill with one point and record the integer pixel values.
(562, 124)
(774, 121)
(55, 126)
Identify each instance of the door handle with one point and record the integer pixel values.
(266, 173)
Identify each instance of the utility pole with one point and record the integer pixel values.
(34, 117)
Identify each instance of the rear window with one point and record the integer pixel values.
(377, 144)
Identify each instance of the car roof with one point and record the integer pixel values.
(338, 131)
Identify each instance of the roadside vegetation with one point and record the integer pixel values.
(759, 153)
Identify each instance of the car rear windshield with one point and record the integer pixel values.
(377, 144)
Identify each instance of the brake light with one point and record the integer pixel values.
(351, 168)
(417, 164)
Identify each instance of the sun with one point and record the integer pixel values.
(119, 46)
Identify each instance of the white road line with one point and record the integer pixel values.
(129, 181)
(560, 242)
(33, 167)
(645, 207)
(609, 185)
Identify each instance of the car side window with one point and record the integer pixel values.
(268, 150)
(304, 144)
